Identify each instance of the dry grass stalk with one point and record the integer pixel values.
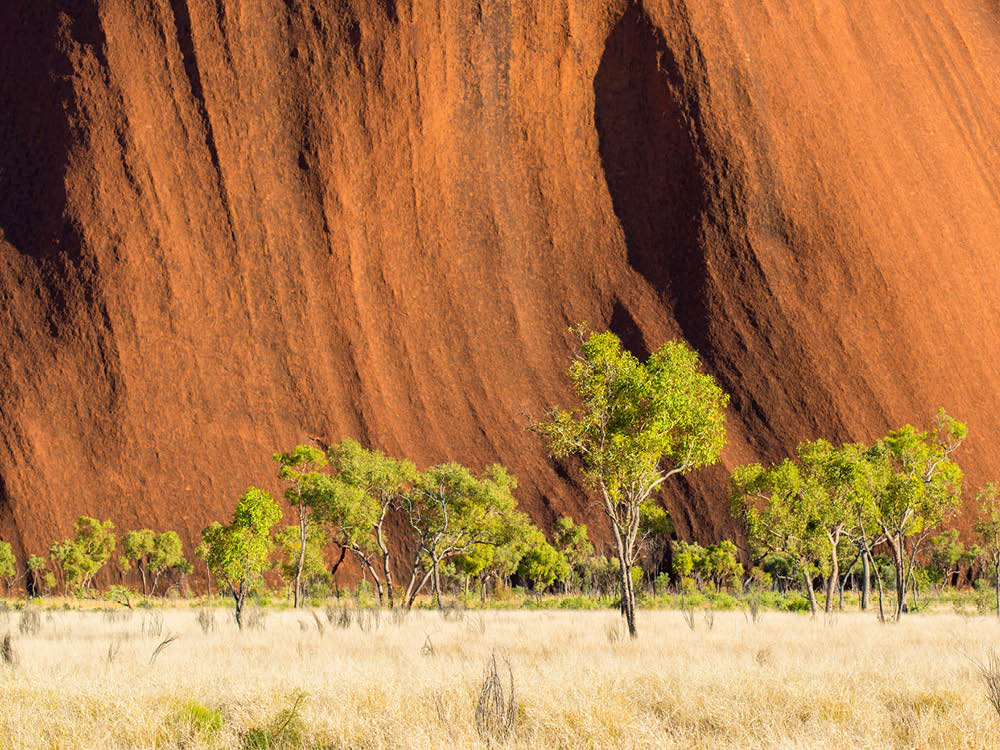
(163, 644)
(319, 623)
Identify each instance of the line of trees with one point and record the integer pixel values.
(635, 425)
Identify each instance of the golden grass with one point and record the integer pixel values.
(786, 682)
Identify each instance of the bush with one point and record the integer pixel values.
(794, 603)
(195, 720)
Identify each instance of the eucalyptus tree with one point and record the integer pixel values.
(916, 484)
(300, 469)
(80, 558)
(137, 546)
(784, 511)
(238, 554)
(451, 512)
(364, 490)
(313, 571)
(988, 530)
(637, 425)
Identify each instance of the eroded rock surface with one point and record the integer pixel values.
(229, 226)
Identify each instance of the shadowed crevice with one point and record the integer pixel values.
(37, 105)
(623, 325)
(651, 163)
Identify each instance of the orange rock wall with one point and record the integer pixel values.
(228, 226)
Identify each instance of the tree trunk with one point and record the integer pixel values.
(386, 565)
(834, 579)
(300, 563)
(240, 599)
(996, 582)
(810, 591)
(866, 579)
(628, 593)
(437, 584)
(900, 580)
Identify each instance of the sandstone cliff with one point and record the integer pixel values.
(227, 226)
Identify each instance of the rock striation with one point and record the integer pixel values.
(226, 227)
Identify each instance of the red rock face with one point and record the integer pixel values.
(228, 226)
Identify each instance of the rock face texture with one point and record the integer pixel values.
(226, 227)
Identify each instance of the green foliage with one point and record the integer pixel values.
(153, 554)
(915, 482)
(195, 719)
(637, 424)
(452, 512)
(8, 568)
(81, 557)
(721, 564)
(238, 554)
(635, 416)
(314, 572)
(572, 541)
(542, 564)
(687, 558)
(946, 553)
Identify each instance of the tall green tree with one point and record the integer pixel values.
(366, 488)
(916, 485)
(637, 425)
(238, 554)
(450, 512)
(988, 530)
(300, 469)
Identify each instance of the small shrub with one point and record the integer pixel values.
(195, 721)
(496, 709)
(30, 622)
(753, 608)
(794, 603)
(453, 612)
(763, 656)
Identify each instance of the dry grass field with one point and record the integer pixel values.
(88, 679)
